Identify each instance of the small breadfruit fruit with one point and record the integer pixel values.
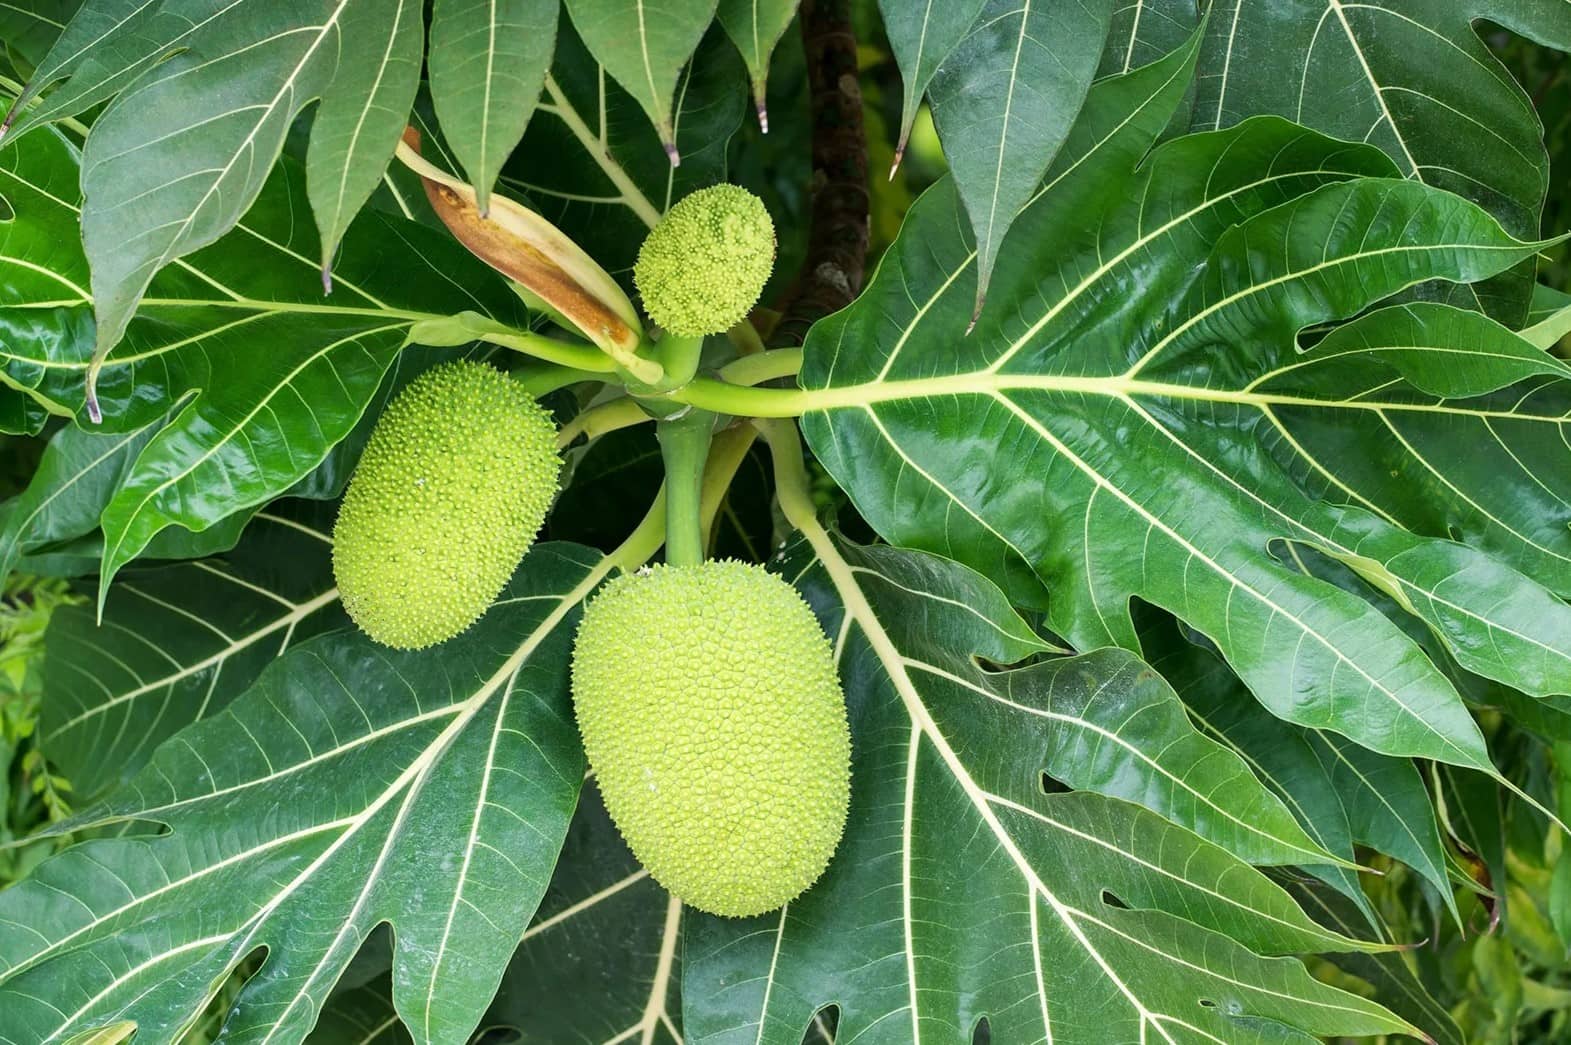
(702, 268)
(448, 496)
(714, 722)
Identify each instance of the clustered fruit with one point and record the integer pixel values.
(706, 694)
(711, 712)
(448, 496)
(702, 268)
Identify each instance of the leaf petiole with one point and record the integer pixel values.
(598, 420)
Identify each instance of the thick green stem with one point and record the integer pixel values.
(741, 400)
(679, 358)
(684, 446)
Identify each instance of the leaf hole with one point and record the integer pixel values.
(826, 1023)
(7, 212)
(1114, 901)
(1053, 786)
(1231, 1007)
(982, 1033)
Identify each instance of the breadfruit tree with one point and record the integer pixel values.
(746, 521)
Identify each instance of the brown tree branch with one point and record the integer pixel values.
(837, 234)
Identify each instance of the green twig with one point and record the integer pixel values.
(645, 539)
(598, 420)
(766, 366)
(684, 446)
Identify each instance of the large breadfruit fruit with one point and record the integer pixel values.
(713, 719)
(702, 268)
(453, 486)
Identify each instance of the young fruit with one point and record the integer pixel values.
(702, 268)
(710, 711)
(451, 490)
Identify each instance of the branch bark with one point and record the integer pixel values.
(837, 234)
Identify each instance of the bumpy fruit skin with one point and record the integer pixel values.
(711, 713)
(702, 268)
(453, 486)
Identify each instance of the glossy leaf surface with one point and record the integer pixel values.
(1105, 922)
(430, 793)
(1137, 419)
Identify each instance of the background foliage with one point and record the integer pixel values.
(374, 854)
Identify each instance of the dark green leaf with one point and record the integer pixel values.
(251, 423)
(77, 476)
(922, 34)
(349, 787)
(755, 26)
(1341, 794)
(1104, 922)
(488, 62)
(362, 115)
(178, 643)
(1004, 100)
(1395, 985)
(30, 27)
(593, 165)
(362, 1016)
(605, 931)
(1144, 31)
(1126, 423)
(102, 46)
(1548, 318)
(183, 151)
(643, 45)
(1276, 752)
(1410, 76)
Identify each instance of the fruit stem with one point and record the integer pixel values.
(766, 366)
(539, 379)
(684, 446)
(678, 358)
(539, 346)
(732, 393)
(645, 540)
(598, 420)
(792, 487)
(746, 338)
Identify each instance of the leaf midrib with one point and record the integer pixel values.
(865, 395)
(463, 712)
(407, 317)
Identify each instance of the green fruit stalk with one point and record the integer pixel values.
(453, 486)
(714, 721)
(702, 268)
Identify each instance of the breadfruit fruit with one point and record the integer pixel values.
(714, 721)
(702, 268)
(448, 496)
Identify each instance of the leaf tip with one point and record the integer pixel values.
(763, 114)
(671, 153)
(327, 278)
(10, 118)
(900, 145)
(976, 313)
